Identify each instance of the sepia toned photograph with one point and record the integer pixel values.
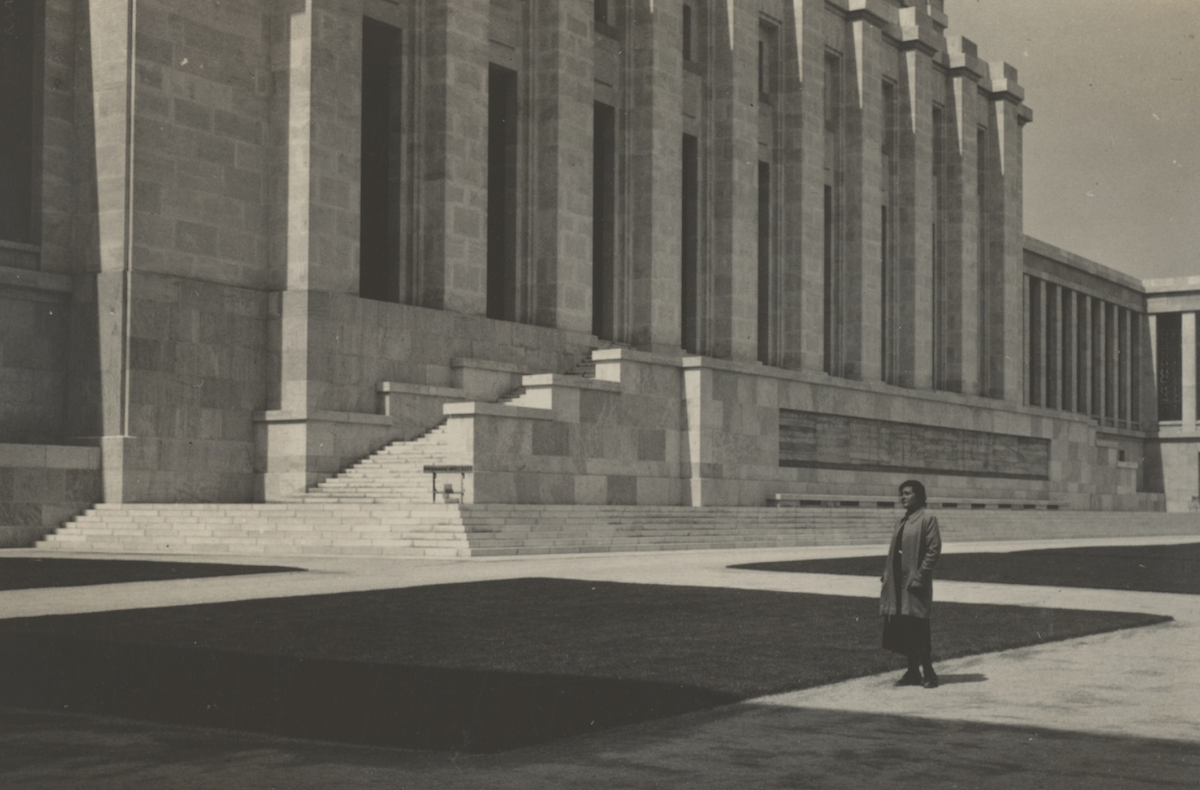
(648, 394)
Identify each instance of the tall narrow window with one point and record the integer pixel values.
(690, 264)
(762, 67)
(1135, 368)
(379, 226)
(1083, 353)
(604, 172)
(985, 318)
(602, 11)
(1098, 359)
(1034, 351)
(833, 137)
(17, 118)
(768, 60)
(887, 268)
(502, 194)
(764, 262)
(940, 295)
(1051, 343)
(829, 283)
(687, 33)
(1170, 366)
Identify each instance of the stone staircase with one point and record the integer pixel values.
(394, 474)
(360, 528)
(382, 506)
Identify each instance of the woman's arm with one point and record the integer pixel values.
(931, 537)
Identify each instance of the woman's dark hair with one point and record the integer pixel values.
(917, 488)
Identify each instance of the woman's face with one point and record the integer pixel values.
(907, 497)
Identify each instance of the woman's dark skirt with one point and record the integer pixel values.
(907, 635)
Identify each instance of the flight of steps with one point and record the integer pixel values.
(271, 529)
(494, 530)
(497, 530)
(393, 474)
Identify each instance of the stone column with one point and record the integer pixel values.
(1038, 291)
(1100, 358)
(107, 55)
(861, 287)
(914, 247)
(321, 106)
(1188, 333)
(961, 231)
(811, 309)
(1150, 393)
(452, 191)
(1070, 351)
(795, 133)
(1112, 363)
(1004, 269)
(1087, 344)
(1126, 341)
(732, 312)
(655, 72)
(562, 151)
(1052, 341)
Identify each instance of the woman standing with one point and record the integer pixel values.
(907, 594)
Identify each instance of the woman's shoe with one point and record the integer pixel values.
(931, 680)
(910, 679)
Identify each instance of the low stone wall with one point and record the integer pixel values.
(41, 486)
(658, 430)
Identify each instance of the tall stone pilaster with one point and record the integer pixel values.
(562, 151)
(1003, 267)
(797, 281)
(915, 210)
(453, 162)
(861, 275)
(655, 153)
(960, 232)
(812, 265)
(1188, 378)
(732, 315)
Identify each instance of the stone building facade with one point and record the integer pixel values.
(248, 242)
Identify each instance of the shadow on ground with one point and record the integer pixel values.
(478, 667)
(373, 704)
(26, 573)
(1169, 569)
(747, 745)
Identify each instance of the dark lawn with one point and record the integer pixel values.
(482, 666)
(25, 573)
(1170, 569)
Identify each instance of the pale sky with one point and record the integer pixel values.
(1112, 158)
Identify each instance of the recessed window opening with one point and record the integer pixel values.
(690, 264)
(18, 48)
(502, 194)
(687, 33)
(604, 172)
(764, 262)
(379, 225)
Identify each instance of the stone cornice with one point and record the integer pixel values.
(916, 32)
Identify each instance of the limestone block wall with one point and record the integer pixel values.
(615, 440)
(41, 486)
(198, 371)
(34, 326)
(1181, 473)
(658, 430)
(740, 442)
(378, 371)
(356, 343)
(200, 168)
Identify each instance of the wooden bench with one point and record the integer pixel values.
(448, 491)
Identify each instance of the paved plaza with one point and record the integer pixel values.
(1110, 710)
